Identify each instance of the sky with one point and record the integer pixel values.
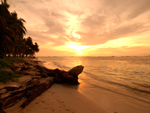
(87, 27)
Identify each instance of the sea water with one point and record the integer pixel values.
(123, 79)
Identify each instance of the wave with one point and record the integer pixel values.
(94, 85)
(143, 85)
(119, 84)
(60, 66)
(120, 93)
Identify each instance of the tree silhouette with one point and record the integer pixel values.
(12, 32)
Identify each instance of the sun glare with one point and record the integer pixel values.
(75, 35)
(79, 52)
(74, 48)
(79, 49)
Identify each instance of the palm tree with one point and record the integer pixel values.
(12, 31)
(17, 25)
(36, 47)
(6, 38)
(4, 3)
(6, 34)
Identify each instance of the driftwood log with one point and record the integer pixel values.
(29, 90)
(39, 82)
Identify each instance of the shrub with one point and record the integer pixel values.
(6, 76)
(7, 62)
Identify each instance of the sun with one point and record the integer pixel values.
(74, 48)
(79, 52)
(75, 35)
(78, 49)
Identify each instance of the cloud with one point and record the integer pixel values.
(111, 21)
(140, 8)
(75, 12)
(43, 39)
(98, 33)
(43, 24)
(54, 23)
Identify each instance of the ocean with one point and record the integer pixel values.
(115, 81)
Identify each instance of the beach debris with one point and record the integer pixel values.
(62, 76)
(39, 79)
(29, 90)
(1, 110)
(76, 70)
(42, 85)
(71, 76)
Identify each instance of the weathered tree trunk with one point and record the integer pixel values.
(39, 88)
(36, 85)
(32, 89)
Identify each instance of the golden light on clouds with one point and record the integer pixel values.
(87, 27)
(79, 52)
(75, 35)
(75, 48)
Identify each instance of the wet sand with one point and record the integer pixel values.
(59, 99)
(114, 102)
(62, 98)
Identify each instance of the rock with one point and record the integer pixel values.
(51, 73)
(29, 72)
(13, 68)
(25, 67)
(19, 64)
(42, 69)
(18, 70)
(43, 75)
(36, 62)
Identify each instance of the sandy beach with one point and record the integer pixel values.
(82, 98)
(63, 98)
(59, 99)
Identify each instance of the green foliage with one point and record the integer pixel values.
(6, 76)
(7, 62)
(12, 59)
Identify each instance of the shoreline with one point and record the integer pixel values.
(82, 98)
(59, 98)
(110, 100)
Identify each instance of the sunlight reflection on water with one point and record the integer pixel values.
(124, 76)
(123, 73)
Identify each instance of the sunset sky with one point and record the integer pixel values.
(87, 27)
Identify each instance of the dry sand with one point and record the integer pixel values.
(62, 98)
(59, 99)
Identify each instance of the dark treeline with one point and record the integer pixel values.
(12, 32)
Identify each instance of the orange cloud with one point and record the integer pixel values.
(99, 25)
